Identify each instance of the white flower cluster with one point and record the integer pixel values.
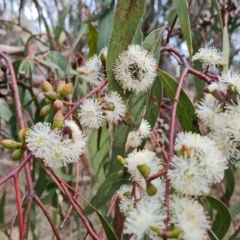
(200, 164)
(50, 146)
(134, 68)
(94, 112)
(135, 138)
(144, 208)
(222, 117)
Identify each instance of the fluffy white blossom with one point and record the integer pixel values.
(190, 217)
(134, 139)
(188, 177)
(140, 220)
(119, 107)
(48, 145)
(91, 114)
(135, 69)
(145, 156)
(210, 57)
(208, 112)
(40, 138)
(230, 80)
(144, 129)
(95, 70)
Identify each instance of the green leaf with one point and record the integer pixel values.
(222, 219)
(98, 146)
(137, 107)
(105, 25)
(50, 41)
(219, 15)
(108, 188)
(138, 38)
(60, 25)
(50, 64)
(153, 104)
(108, 230)
(41, 183)
(226, 46)
(182, 12)
(2, 207)
(185, 109)
(235, 209)
(92, 40)
(229, 184)
(126, 20)
(152, 43)
(5, 112)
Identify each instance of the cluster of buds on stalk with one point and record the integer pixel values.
(53, 100)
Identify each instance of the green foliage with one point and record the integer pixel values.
(185, 109)
(222, 218)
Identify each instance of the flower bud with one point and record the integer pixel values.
(22, 134)
(10, 144)
(58, 120)
(109, 106)
(213, 89)
(46, 110)
(121, 160)
(60, 86)
(58, 105)
(151, 189)
(17, 154)
(222, 64)
(66, 90)
(51, 95)
(46, 86)
(144, 169)
(185, 151)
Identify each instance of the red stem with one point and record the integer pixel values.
(95, 90)
(171, 139)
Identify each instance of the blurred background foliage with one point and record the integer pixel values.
(51, 40)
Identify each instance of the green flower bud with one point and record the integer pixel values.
(46, 110)
(151, 189)
(66, 90)
(17, 154)
(46, 86)
(121, 160)
(10, 144)
(51, 95)
(58, 120)
(144, 169)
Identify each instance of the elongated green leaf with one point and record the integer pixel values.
(235, 209)
(127, 17)
(108, 188)
(48, 31)
(61, 21)
(137, 107)
(152, 43)
(222, 219)
(229, 183)
(185, 110)
(98, 146)
(92, 40)
(226, 46)
(219, 15)
(108, 230)
(105, 25)
(182, 12)
(153, 104)
(50, 64)
(41, 183)
(138, 38)
(2, 207)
